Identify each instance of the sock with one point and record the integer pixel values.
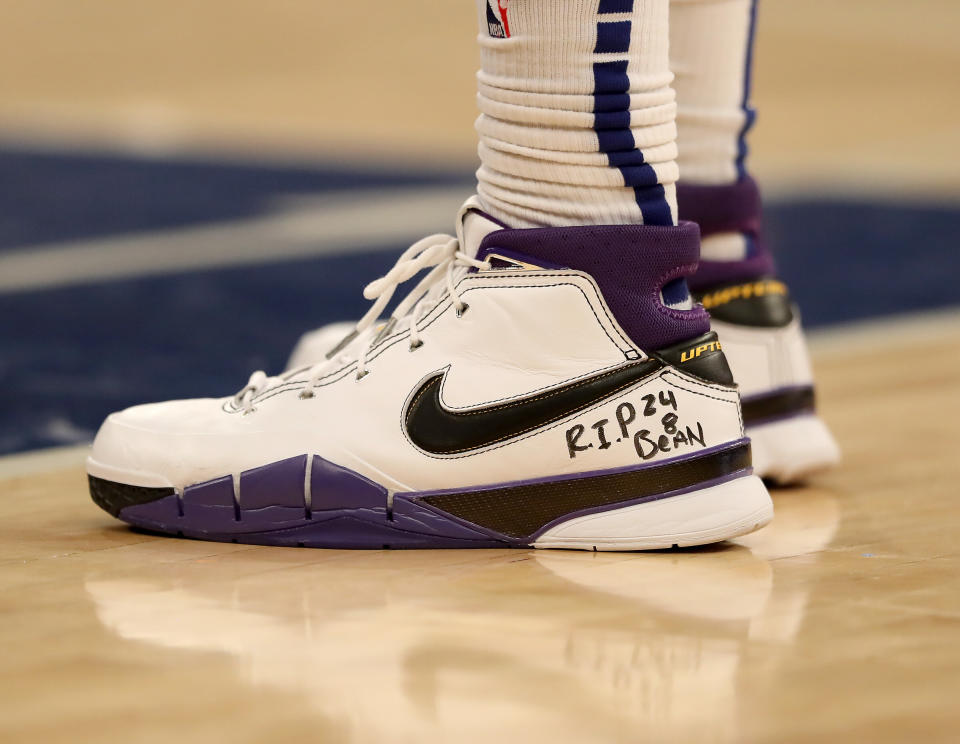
(711, 50)
(711, 54)
(577, 122)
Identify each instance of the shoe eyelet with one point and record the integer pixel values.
(247, 412)
(415, 346)
(361, 375)
(462, 309)
(306, 394)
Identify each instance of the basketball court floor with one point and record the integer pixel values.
(185, 188)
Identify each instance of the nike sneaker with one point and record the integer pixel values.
(756, 321)
(548, 388)
(759, 327)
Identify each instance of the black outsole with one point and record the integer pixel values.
(115, 497)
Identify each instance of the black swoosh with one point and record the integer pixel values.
(440, 431)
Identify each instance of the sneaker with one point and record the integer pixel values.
(757, 323)
(759, 327)
(548, 388)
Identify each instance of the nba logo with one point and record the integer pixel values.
(497, 22)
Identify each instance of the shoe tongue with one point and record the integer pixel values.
(477, 225)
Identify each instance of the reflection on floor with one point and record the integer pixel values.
(568, 645)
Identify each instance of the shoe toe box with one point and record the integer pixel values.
(165, 444)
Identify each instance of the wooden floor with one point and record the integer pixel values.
(839, 622)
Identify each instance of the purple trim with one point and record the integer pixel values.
(272, 495)
(214, 493)
(721, 209)
(629, 263)
(277, 484)
(490, 217)
(333, 487)
(211, 504)
(718, 273)
(736, 208)
(162, 514)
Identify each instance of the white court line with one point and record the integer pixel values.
(924, 327)
(301, 228)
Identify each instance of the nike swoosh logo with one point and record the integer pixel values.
(436, 429)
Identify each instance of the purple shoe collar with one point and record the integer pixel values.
(629, 263)
(734, 208)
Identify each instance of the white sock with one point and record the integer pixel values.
(710, 54)
(577, 122)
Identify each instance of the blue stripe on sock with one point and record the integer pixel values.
(611, 105)
(653, 204)
(611, 120)
(613, 37)
(610, 102)
(675, 292)
(615, 6)
(750, 115)
(639, 176)
(626, 158)
(611, 77)
(615, 140)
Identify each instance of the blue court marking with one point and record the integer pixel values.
(71, 355)
(849, 260)
(50, 196)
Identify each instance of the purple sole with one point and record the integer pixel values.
(309, 502)
(409, 527)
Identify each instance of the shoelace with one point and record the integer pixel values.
(442, 253)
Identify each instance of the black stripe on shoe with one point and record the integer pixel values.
(778, 405)
(520, 510)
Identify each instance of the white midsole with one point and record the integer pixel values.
(706, 515)
(789, 450)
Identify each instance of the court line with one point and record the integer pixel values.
(341, 223)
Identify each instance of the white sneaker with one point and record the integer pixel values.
(537, 388)
(761, 334)
(760, 330)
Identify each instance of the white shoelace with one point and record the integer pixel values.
(442, 253)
